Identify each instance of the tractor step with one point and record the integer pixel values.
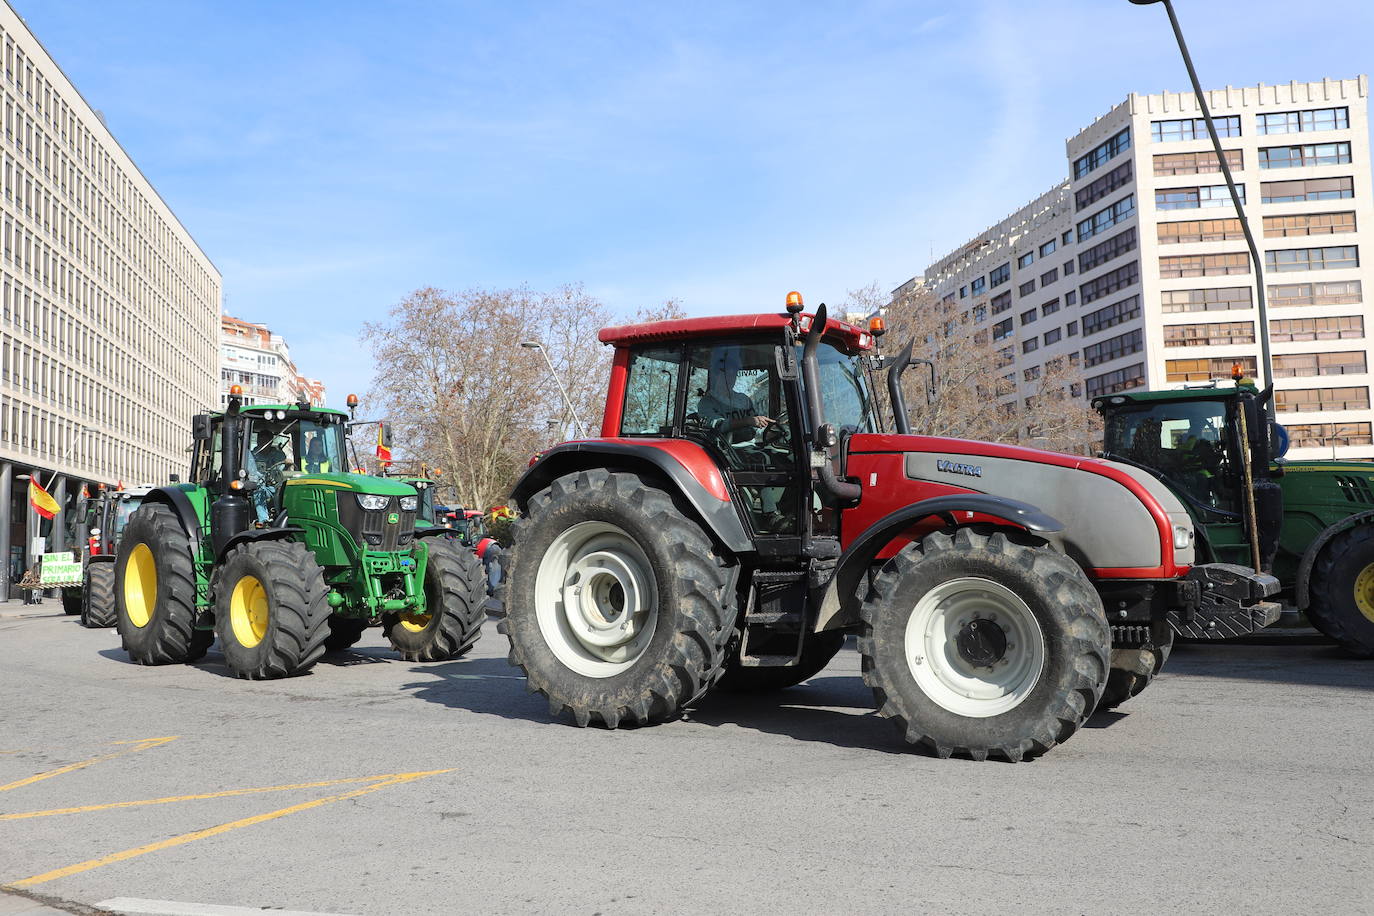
(774, 621)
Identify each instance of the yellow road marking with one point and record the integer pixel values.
(89, 864)
(140, 745)
(227, 793)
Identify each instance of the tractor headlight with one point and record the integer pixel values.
(408, 503)
(368, 501)
(1183, 537)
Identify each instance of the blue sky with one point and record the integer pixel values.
(332, 156)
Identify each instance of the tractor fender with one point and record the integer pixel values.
(689, 470)
(101, 558)
(1309, 557)
(258, 534)
(840, 602)
(180, 503)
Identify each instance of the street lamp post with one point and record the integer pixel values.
(536, 345)
(1266, 362)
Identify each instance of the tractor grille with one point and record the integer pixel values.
(1356, 489)
(370, 526)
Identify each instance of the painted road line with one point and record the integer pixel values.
(133, 906)
(227, 793)
(184, 838)
(140, 745)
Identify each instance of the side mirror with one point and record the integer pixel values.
(174, 478)
(1278, 440)
(201, 427)
(787, 360)
(386, 435)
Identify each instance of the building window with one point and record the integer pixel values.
(1292, 122)
(1196, 163)
(1110, 282)
(1002, 329)
(1103, 252)
(1347, 362)
(1202, 370)
(1026, 259)
(980, 314)
(1201, 230)
(1031, 374)
(1212, 334)
(963, 292)
(1102, 153)
(1288, 192)
(1053, 336)
(1341, 292)
(1292, 400)
(1343, 327)
(1193, 129)
(1049, 308)
(1071, 297)
(1049, 276)
(1000, 303)
(1220, 299)
(1030, 346)
(1025, 289)
(1215, 195)
(979, 285)
(1117, 380)
(1028, 316)
(1000, 274)
(1308, 154)
(1327, 435)
(1337, 257)
(1204, 265)
(1111, 315)
(1106, 217)
(1308, 224)
(1047, 248)
(1068, 268)
(1071, 329)
(1113, 348)
(1100, 188)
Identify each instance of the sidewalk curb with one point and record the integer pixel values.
(23, 903)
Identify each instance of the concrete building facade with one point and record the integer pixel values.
(1136, 268)
(260, 362)
(109, 310)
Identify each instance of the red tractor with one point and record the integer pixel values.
(744, 510)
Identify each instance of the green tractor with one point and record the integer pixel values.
(1309, 523)
(277, 551)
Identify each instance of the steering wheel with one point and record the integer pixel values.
(774, 434)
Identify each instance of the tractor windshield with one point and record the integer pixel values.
(277, 446)
(124, 508)
(846, 401)
(1186, 441)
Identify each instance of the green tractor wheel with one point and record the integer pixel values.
(271, 609)
(155, 591)
(455, 592)
(1342, 591)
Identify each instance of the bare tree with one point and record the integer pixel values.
(465, 397)
(976, 396)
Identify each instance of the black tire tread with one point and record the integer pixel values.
(300, 610)
(1132, 670)
(170, 637)
(462, 582)
(1326, 610)
(98, 610)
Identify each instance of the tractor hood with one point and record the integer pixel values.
(1116, 517)
(357, 483)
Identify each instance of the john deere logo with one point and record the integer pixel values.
(393, 518)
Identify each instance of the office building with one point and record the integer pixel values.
(259, 362)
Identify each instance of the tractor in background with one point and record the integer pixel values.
(105, 516)
(743, 510)
(1310, 523)
(274, 548)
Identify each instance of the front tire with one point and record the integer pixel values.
(271, 609)
(618, 606)
(455, 590)
(982, 644)
(1342, 591)
(155, 590)
(98, 609)
(72, 600)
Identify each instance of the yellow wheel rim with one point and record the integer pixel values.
(140, 586)
(416, 623)
(248, 611)
(1364, 592)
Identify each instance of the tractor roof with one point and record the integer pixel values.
(1217, 393)
(289, 408)
(851, 337)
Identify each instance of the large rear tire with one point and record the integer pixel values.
(984, 643)
(618, 606)
(155, 590)
(817, 651)
(98, 610)
(1342, 591)
(1132, 671)
(271, 609)
(72, 599)
(455, 590)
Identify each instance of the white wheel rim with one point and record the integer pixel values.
(950, 679)
(596, 599)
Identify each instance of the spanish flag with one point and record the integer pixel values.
(42, 503)
(383, 453)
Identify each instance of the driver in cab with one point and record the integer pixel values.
(730, 414)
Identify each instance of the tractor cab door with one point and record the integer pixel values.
(1191, 443)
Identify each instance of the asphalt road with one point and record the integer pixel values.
(1239, 782)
